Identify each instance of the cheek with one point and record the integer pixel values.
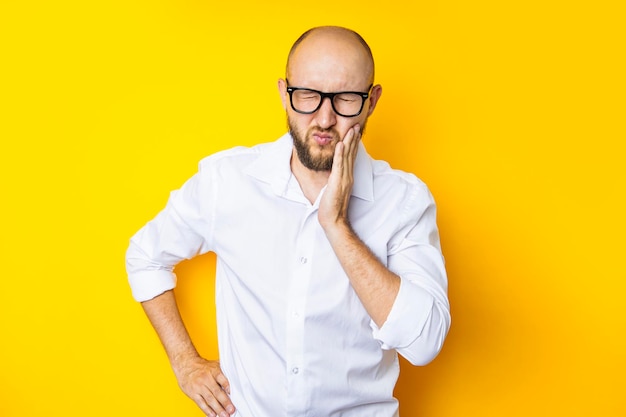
(298, 121)
(344, 125)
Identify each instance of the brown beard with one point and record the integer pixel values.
(320, 163)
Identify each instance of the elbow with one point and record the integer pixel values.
(428, 345)
(422, 356)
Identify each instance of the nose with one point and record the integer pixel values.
(325, 115)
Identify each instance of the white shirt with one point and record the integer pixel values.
(294, 338)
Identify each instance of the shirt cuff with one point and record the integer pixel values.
(146, 285)
(407, 318)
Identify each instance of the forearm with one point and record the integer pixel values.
(375, 285)
(202, 380)
(163, 313)
(379, 290)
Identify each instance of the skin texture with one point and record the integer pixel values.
(329, 59)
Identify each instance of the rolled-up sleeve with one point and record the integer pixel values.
(180, 231)
(419, 320)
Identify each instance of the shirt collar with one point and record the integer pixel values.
(273, 167)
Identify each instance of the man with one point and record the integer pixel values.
(328, 261)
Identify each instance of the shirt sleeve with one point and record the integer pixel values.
(419, 319)
(180, 231)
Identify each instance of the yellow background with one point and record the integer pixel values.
(512, 112)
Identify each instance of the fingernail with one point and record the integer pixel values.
(230, 409)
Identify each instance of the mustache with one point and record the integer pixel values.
(317, 131)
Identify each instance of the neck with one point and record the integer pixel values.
(311, 182)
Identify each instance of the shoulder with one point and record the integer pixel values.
(239, 157)
(389, 181)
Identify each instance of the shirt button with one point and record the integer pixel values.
(303, 260)
(295, 370)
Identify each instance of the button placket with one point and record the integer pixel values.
(298, 289)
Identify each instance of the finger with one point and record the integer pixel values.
(351, 149)
(347, 139)
(204, 406)
(357, 137)
(214, 396)
(218, 403)
(337, 168)
(355, 140)
(220, 390)
(221, 379)
(355, 133)
(345, 149)
(222, 397)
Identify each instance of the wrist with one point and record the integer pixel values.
(181, 359)
(338, 229)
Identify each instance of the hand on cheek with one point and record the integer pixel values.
(334, 204)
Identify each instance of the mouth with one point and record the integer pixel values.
(322, 139)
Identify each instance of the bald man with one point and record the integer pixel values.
(329, 262)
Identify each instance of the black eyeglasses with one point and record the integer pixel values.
(344, 103)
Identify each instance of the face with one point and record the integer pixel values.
(327, 64)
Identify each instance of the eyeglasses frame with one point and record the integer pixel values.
(331, 96)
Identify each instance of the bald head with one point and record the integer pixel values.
(331, 51)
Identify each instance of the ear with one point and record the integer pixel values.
(282, 90)
(377, 91)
